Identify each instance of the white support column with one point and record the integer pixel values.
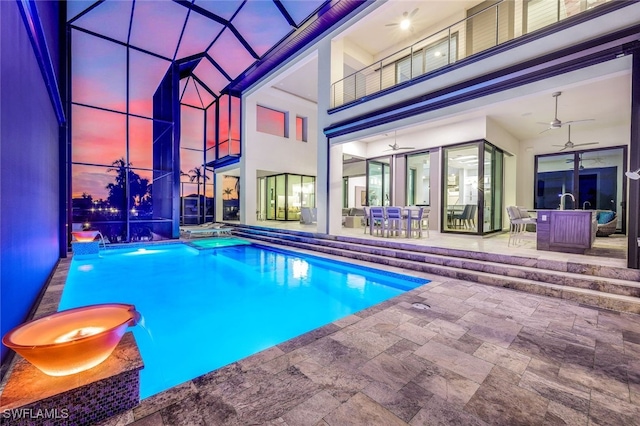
(435, 193)
(248, 191)
(324, 99)
(217, 188)
(329, 175)
(335, 189)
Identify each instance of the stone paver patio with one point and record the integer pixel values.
(478, 355)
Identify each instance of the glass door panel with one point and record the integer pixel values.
(271, 193)
(418, 187)
(261, 200)
(497, 183)
(487, 181)
(281, 199)
(460, 203)
(386, 183)
(379, 182)
(294, 197)
(554, 177)
(492, 189)
(600, 175)
(308, 191)
(374, 183)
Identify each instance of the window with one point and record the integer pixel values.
(272, 121)
(301, 128)
(426, 58)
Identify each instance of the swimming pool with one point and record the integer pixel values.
(203, 309)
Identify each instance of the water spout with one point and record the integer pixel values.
(562, 199)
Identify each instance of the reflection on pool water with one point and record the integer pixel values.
(202, 310)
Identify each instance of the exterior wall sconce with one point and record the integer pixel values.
(73, 340)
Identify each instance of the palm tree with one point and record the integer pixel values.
(227, 192)
(197, 175)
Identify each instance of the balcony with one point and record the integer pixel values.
(487, 28)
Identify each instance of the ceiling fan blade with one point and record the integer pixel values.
(578, 121)
(545, 130)
(414, 12)
(394, 24)
(588, 143)
(561, 145)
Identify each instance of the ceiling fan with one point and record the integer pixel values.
(405, 20)
(396, 147)
(556, 123)
(571, 145)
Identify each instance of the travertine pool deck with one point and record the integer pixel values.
(477, 355)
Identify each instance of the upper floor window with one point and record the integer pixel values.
(301, 128)
(272, 121)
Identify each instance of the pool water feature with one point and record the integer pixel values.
(218, 242)
(204, 309)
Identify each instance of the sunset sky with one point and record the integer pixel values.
(100, 78)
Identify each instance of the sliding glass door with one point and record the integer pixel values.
(472, 188)
(593, 177)
(418, 185)
(379, 182)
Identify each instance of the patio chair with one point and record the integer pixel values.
(416, 221)
(376, 220)
(395, 222)
(517, 224)
(307, 216)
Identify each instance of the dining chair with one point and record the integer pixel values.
(462, 218)
(395, 222)
(376, 220)
(416, 218)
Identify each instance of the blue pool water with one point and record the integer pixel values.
(205, 309)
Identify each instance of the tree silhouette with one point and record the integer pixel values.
(227, 192)
(197, 175)
(139, 188)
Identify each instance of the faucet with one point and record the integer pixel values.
(562, 199)
(585, 204)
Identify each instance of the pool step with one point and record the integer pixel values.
(601, 287)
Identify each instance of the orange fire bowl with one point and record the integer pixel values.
(73, 340)
(84, 236)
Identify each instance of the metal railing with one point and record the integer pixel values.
(485, 29)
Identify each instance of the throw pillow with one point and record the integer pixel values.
(605, 217)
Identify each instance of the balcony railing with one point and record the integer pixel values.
(487, 28)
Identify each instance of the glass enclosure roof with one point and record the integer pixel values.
(225, 37)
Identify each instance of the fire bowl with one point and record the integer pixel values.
(84, 236)
(73, 340)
